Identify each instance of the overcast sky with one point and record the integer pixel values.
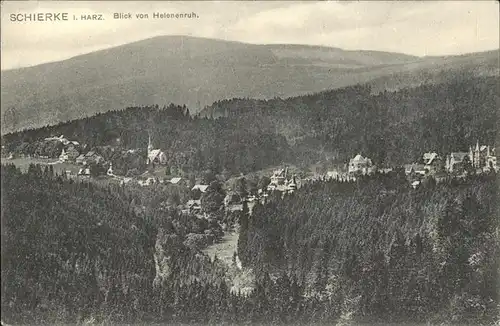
(418, 28)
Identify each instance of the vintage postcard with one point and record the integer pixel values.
(250, 163)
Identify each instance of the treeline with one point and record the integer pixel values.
(390, 127)
(48, 148)
(191, 145)
(383, 251)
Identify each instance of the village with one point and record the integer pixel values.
(91, 164)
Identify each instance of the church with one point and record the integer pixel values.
(482, 158)
(155, 156)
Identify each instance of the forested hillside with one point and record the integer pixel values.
(383, 251)
(332, 253)
(191, 145)
(76, 251)
(389, 127)
(248, 134)
(69, 248)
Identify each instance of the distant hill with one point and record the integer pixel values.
(198, 72)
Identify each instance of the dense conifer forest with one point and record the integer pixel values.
(331, 253)
(370, 251)
(248, 135)
(395, 253)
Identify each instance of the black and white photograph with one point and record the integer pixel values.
(250, 163)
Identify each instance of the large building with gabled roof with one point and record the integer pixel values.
(155, 156)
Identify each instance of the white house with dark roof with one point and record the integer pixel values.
(430, 158)
(202, 188)
(432, 162)
(361, 165)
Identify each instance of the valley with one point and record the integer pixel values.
(182, 180)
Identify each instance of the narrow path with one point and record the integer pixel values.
(225, 248)
(240, 279)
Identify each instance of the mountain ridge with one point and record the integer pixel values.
(151, 39)
(198, 72)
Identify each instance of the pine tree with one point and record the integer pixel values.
(322, 268)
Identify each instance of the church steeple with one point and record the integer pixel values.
(110, 169)
(477, 156)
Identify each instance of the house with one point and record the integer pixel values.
(361, 165)
(80, 159)
(60, 139)
(84, 172)
(415, 168)
(430, 158)
(72, 153)
(491, 164)
(332, 175)
(278, 180)
(125, 181)
(279, 176)
(292, 185)
(155, 156)
(457, 161)
(147, 182)
(286, 186)
(63, 157)
(92, 156)
(52, 138)
(194, 205)
(202, 188)
(432, 162)
(175, 180)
